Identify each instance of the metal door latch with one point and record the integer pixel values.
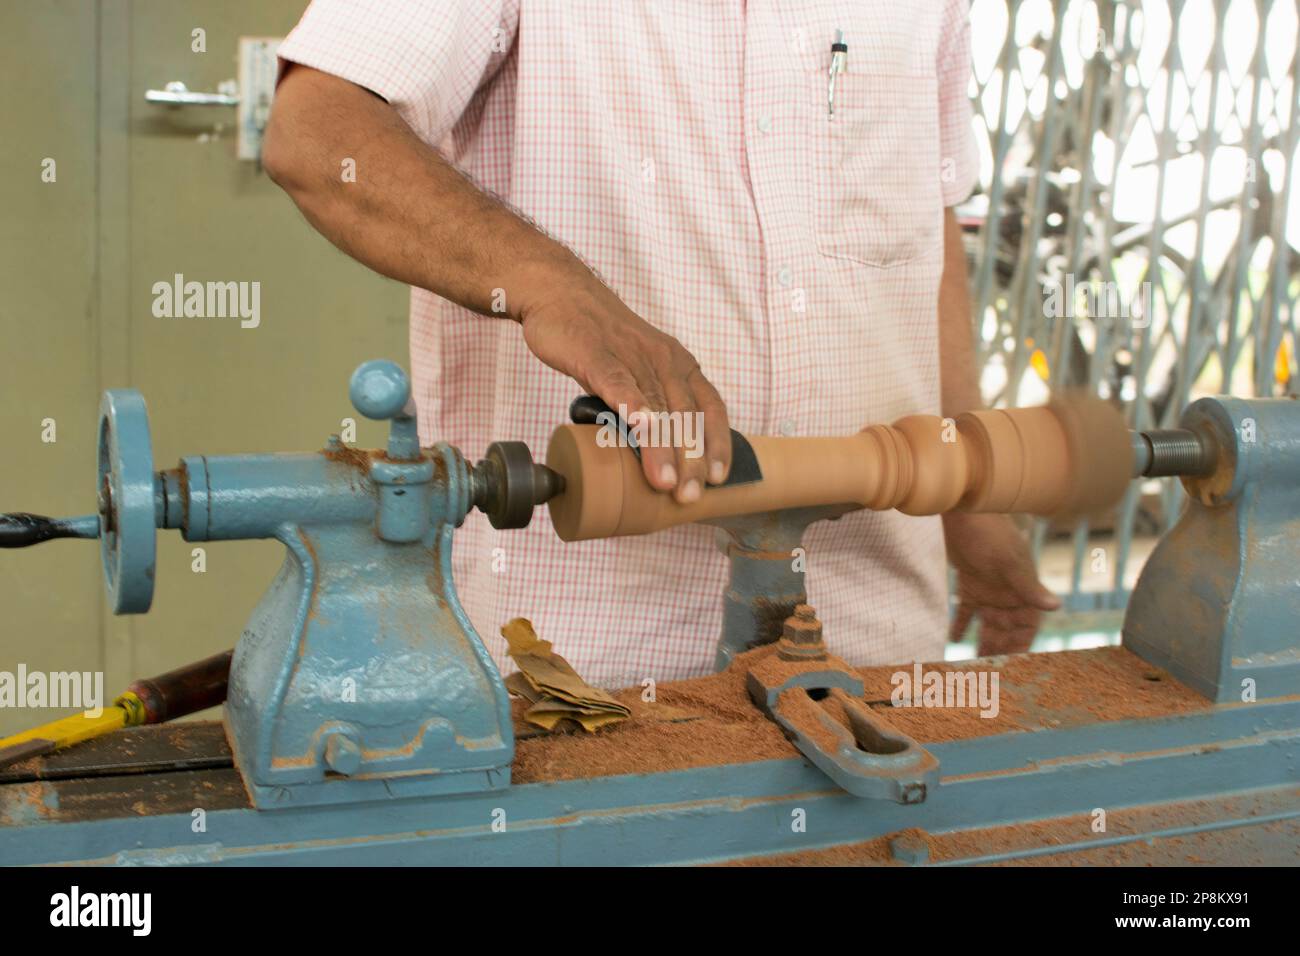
(177, 93)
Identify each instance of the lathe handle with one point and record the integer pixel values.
(185, 690)
(22, 530)
(1070, 457)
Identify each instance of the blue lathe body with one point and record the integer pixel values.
(366, 723)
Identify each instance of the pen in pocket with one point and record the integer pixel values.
(839, 64)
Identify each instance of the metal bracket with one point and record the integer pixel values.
(801, 687)
(1217, 602)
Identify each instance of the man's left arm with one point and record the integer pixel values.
(996, 579)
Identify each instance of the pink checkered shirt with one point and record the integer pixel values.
(684, 149)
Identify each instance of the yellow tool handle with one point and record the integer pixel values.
(152, 700)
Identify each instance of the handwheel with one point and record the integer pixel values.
(127, 523)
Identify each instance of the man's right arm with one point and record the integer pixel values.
(412, 216)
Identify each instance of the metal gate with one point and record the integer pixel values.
(1136, 224)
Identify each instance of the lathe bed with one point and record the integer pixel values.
(702, 775)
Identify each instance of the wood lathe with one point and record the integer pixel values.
(1187, 737)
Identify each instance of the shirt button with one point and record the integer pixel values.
(788, 428)
(765, 124)
(785, 277)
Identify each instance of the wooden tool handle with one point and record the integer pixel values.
(186, 690)
(1069, 457)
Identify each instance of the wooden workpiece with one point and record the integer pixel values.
(1070, 457)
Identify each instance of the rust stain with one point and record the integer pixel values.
(184, 481)
(312, 604)
(26, 803)
(356, 462)
(434, 579)
(359, 458)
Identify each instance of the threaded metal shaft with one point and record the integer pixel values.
(1171, 451)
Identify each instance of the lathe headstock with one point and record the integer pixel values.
(359, 675)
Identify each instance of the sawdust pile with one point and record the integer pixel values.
(710, 721)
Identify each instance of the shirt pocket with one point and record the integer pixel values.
(877, 175)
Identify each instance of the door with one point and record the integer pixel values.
(144, 193)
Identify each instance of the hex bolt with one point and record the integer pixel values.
(801, 637)
(911, 847)
(342, 753)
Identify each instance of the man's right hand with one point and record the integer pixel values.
(583, 330)
(410, 215)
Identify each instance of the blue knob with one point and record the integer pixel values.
(379, 389)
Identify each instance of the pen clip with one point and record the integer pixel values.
(839, 64)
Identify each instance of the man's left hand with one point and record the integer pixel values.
(996, 581)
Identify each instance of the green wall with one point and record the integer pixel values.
(142, 193)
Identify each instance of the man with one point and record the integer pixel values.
(700, 219)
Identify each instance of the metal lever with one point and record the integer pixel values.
(868, 758)
(21, 530)
(380, 390)
(177, 93)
